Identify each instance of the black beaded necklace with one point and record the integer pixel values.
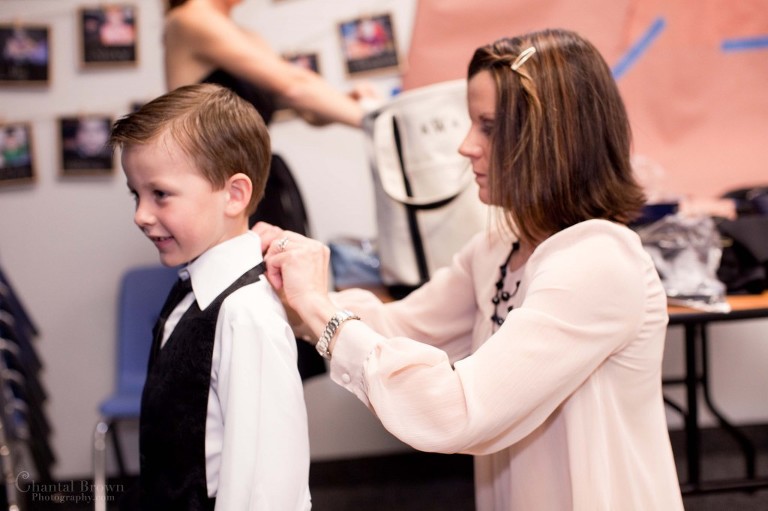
(502, 295)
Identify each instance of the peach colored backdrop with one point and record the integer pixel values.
(693, 73)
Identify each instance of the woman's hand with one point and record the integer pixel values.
(367, 96)
(365, 91)
(268, 234)
(298, 268)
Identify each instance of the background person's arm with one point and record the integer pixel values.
(214, 41)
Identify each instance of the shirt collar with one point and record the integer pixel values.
(220, 266)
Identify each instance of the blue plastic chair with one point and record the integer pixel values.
(143, 291)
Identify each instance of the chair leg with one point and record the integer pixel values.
(10, 473)
(100, 466)
(113, 433)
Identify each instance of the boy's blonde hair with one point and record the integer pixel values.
(222, 133)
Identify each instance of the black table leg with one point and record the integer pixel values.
(693, 439)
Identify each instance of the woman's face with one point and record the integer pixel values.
(481, 100)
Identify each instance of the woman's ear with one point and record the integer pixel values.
(239, 190)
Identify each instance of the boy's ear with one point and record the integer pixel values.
(239, 189)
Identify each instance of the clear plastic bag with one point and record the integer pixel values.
(686, 251)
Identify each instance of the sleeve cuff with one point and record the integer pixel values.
(355, 343)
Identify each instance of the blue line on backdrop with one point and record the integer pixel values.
(640, 47)
(747, 43)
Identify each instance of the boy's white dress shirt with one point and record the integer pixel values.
(256, 442)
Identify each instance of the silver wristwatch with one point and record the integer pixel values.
(330, 330)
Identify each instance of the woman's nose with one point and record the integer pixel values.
(467, 147)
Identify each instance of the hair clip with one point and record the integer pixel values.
(523, 57)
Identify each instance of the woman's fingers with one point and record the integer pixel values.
(268, 234)
(298, 266)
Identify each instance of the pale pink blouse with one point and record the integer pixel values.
(561, 406)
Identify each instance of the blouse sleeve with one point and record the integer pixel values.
(584, 297)
(441, 313)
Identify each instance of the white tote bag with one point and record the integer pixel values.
(427, 206)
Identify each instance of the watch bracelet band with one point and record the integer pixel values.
(330, 330)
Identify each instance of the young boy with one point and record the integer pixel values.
(223, 421)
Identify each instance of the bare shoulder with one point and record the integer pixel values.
(187, 39)
(193, 21)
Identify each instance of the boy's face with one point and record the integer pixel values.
(176, 207)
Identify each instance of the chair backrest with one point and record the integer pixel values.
(143, 291)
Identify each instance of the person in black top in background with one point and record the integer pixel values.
(204, 44)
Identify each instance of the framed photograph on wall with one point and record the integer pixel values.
(108, 35)
(307, 60)
(368, 45)
(24, 56)
(84, 145)
(16, 157)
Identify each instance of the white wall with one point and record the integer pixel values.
(65, 242)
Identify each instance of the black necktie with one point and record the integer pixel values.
(180, 289)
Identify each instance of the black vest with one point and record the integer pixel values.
(174, 407)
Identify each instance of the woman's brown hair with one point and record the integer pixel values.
(561, 139)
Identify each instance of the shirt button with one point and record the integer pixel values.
(346, 378)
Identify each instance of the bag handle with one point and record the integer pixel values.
(388, 157)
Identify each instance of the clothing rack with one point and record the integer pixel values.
(24, 428)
